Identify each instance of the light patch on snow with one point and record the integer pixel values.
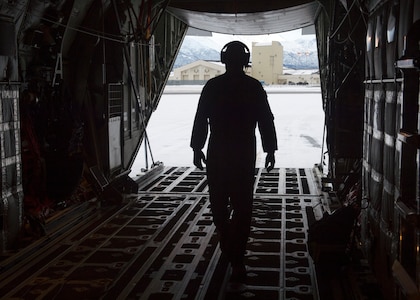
(299, 120)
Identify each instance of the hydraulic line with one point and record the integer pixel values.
(133, 85)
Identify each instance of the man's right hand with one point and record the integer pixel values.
(199, 157)
(270, 161)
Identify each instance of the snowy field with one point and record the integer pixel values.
(298, 117)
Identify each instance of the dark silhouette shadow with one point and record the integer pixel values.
(231, 106)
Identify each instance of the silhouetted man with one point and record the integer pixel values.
(232, 105)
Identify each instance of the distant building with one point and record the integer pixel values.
(267, 61)
(197, 72)
(299, 77)
(266, 66)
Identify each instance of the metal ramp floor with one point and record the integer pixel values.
(161, 244)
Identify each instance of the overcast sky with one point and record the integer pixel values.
(218, 40)
(284, 36)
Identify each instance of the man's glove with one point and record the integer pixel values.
(269, 161)
(199, 157)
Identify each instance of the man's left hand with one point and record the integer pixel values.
(199, 159)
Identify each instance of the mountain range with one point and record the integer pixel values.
(299, 54)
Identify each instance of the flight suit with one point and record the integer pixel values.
(232, 105)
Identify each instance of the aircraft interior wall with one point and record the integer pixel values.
(371, 106)
(390, 164)
(79, 81)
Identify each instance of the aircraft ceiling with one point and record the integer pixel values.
(246, 16)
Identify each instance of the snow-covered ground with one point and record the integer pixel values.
(298, 114)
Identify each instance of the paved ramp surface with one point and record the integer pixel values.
(161, 244)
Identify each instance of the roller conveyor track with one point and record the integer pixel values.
(161, 244)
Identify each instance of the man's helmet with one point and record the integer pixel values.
(235, 52)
